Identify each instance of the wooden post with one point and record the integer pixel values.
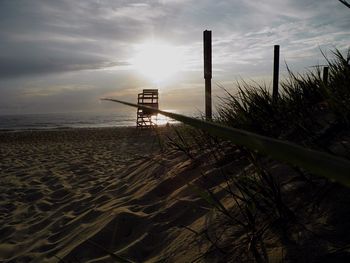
(276, 60)
(207, 73)
(325, 75)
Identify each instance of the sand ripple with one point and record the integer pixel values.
(63, 192)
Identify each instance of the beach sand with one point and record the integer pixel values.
(75, 195)
(114, 195)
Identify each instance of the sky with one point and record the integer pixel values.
(64, 55)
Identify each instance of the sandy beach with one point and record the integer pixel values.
(174, 131)
(75, 195)
(115, 195)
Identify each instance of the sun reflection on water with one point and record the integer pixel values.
(162, 120)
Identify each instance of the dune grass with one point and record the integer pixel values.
(302, 103)
(306, 110)
(309, 112)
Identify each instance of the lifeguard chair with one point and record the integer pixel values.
(148, 97)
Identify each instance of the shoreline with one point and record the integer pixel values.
(66, 121)
(67, 128)
(92, 128)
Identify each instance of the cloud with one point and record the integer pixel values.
(40, 37)
(36, 65)
(58, 45)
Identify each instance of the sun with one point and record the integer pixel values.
(157, 61)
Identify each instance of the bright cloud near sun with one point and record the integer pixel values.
(157, 61)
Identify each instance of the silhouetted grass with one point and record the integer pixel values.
(308, 111)
(306, 104)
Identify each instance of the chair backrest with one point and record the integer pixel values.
(148, 97)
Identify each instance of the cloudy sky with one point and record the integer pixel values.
(63, 55)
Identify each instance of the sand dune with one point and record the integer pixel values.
(71, 195)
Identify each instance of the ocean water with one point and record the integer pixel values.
(71, 120)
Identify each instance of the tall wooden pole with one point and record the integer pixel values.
(276, 61)
(207, 73)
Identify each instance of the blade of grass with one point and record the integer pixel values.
(316, 162)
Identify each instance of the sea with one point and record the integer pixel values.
(72, 120)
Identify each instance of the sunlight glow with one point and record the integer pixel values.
(157, 61)
(161, 120)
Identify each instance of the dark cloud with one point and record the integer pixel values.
(40, 37)
(11, 66)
